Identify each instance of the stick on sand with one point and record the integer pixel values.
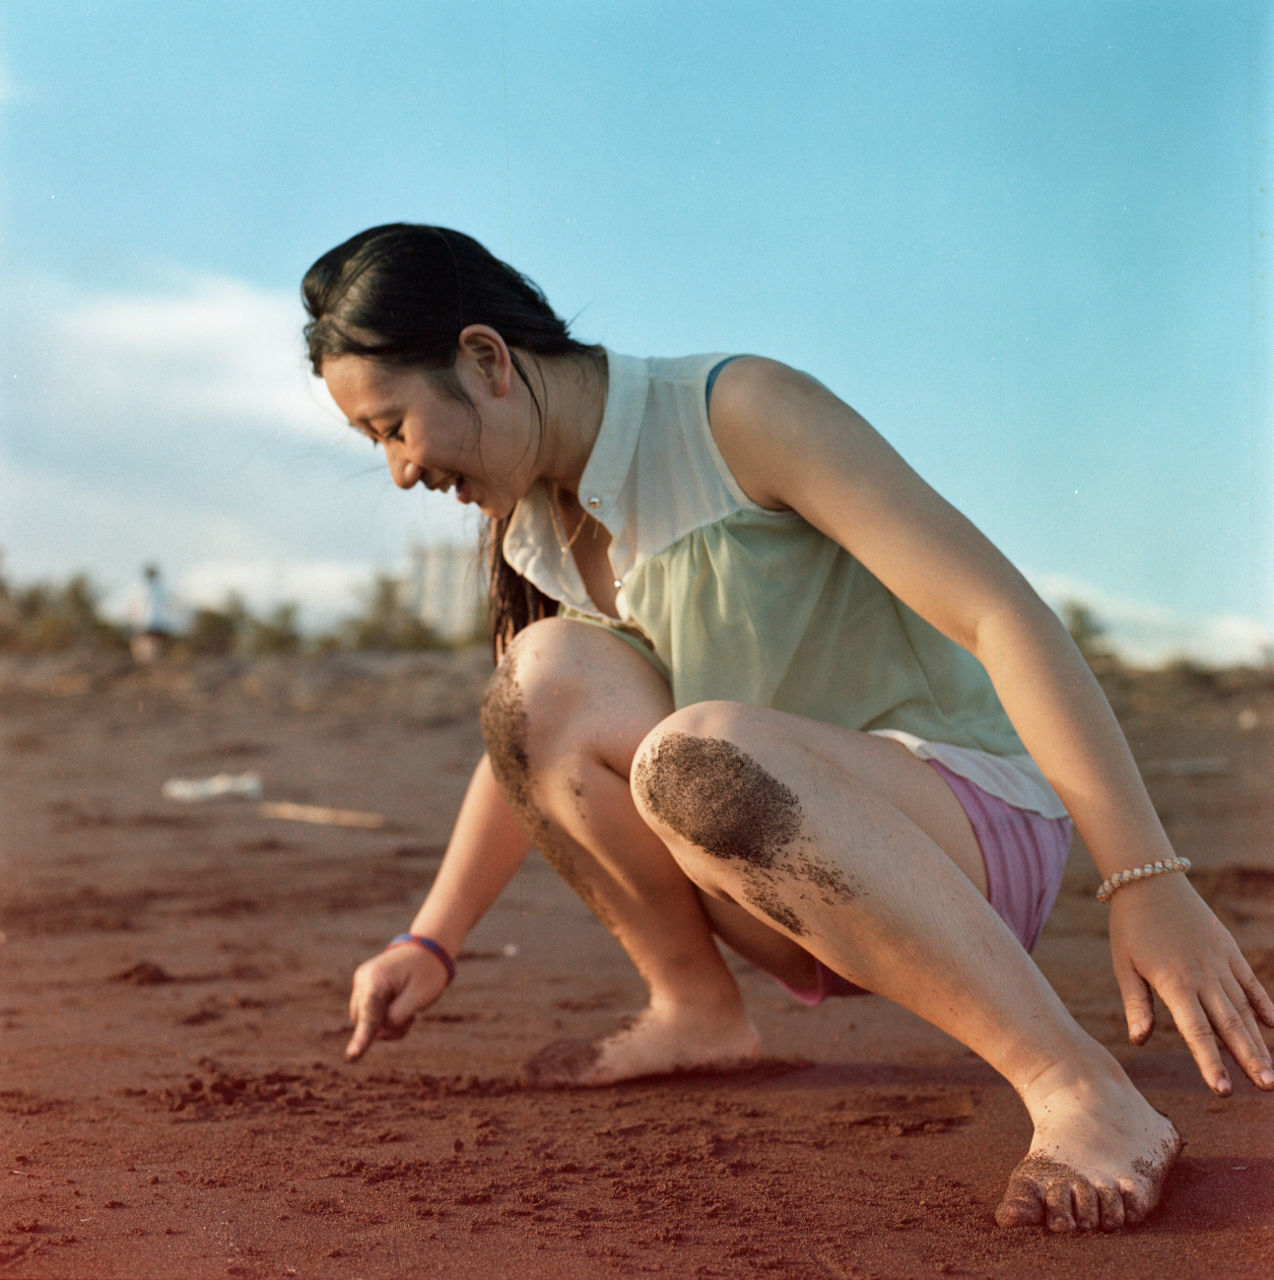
(320, 814)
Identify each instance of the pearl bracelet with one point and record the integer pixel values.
(1117, 882)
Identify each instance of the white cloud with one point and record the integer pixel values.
(1149, 634)
(205, 347)
(179, 422)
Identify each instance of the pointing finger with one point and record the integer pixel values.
(368, 1021)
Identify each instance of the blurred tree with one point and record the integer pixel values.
(387, 622)
(276, 633)
(1087, 632)
(216, 632)
(44, 617)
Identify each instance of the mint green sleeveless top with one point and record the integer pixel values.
(762, 608)
(733, 601)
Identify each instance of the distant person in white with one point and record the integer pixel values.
(151, 618)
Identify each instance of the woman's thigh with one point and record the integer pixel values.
(859, 762)
(845, 763)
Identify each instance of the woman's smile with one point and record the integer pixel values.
(447, 484)
(431, 437)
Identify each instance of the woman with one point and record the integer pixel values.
(758, 683)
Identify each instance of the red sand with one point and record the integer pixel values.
(174, 981)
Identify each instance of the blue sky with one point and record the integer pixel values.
(1028, 240)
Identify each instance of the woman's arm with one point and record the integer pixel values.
(486, 848)
(791, 444)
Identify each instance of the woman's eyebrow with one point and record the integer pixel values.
(383, 411)
(364, 428)
(364, 423)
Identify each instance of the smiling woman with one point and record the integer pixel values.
(398, 299)
(402, 411)
(791, 702)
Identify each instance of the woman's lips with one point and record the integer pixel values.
(446, 484)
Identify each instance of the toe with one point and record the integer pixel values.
(1060, 1211)
(1134, 1206)
(1087, 1206)
(1112, 1208)
(1022, 1205)
(1020, 1210)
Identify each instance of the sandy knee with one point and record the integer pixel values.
(505, 728)
(738, 831)
(708, 793)
(728, 822)
(527, 708)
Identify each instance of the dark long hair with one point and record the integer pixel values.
(402, 293)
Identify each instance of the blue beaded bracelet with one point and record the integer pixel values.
(419, 940)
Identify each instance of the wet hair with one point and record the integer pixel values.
(402, 293)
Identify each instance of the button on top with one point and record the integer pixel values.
(594, 501)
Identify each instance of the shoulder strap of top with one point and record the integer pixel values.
(712, 377)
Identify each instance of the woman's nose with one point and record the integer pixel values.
(405, 472)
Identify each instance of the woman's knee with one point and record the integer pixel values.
(530, 693)
(701, 721)
(560, 688)
(724, 778)
(695, 785)
(675, 747)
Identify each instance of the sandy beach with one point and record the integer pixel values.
(174, 979)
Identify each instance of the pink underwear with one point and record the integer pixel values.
(1024, 854)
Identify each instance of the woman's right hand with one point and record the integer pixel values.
(389, 990)
(487, 847)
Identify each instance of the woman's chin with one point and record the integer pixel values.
(493, 508)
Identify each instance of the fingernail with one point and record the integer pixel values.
(1266, 1077)
(1222, 1085)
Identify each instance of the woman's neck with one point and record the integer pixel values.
(572, 394)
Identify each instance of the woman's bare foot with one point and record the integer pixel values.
(658, 1041)
(1099, 1157)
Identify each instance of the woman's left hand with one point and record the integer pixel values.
(1164, 938)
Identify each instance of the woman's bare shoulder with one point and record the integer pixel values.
(765, 414)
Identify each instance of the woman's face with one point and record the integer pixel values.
(481, 451)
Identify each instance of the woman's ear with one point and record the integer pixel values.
(487, 354)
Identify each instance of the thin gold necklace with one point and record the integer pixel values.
(559, 524)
